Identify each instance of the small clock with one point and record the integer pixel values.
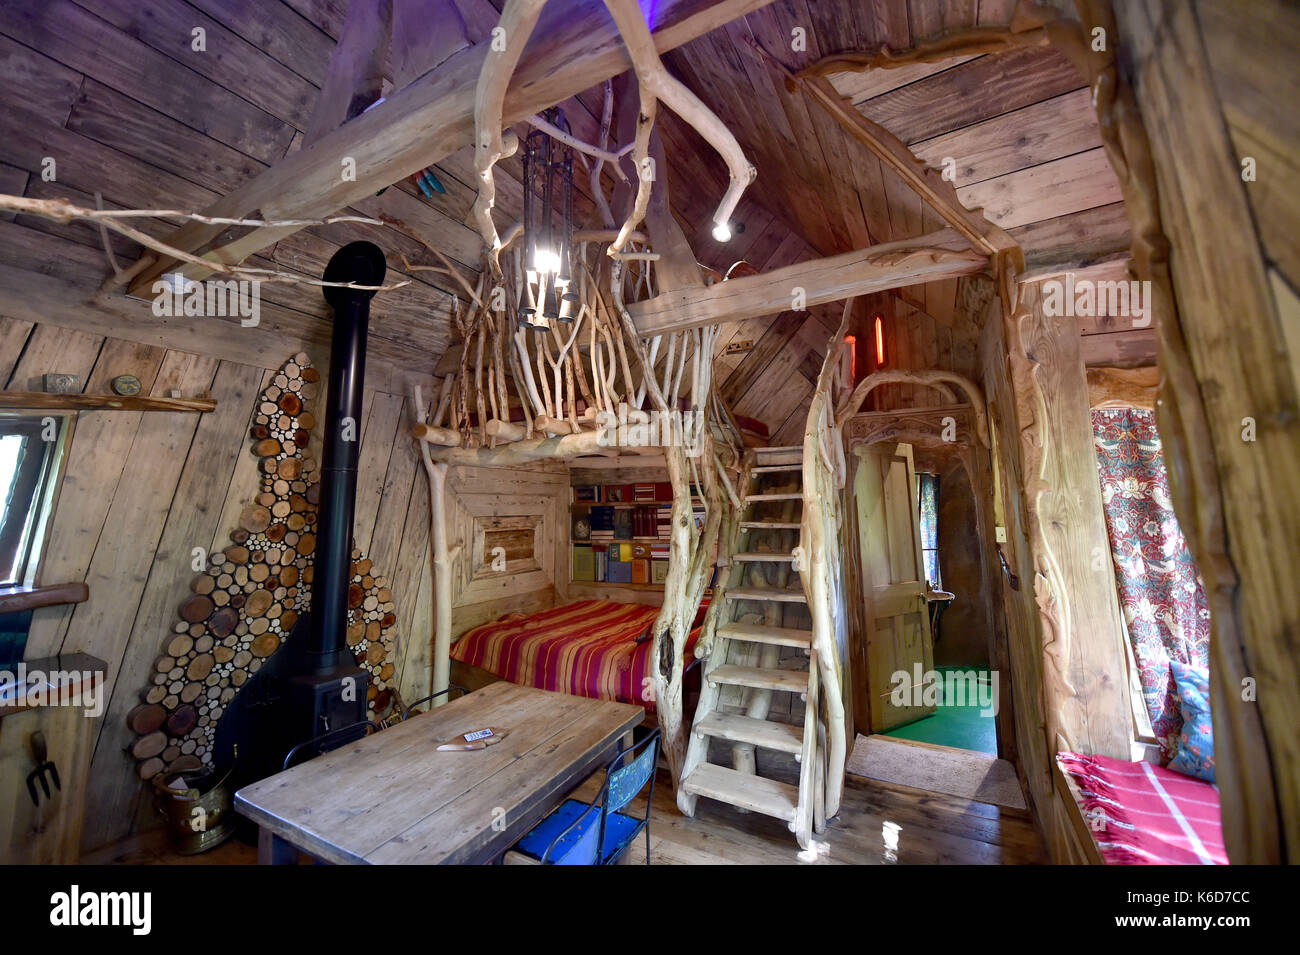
(126, 385)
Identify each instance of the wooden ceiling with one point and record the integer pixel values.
(113, 90)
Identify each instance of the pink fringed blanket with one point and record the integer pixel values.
(1142, 814)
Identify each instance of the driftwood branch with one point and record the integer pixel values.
(655, 83)
(61, 210)
(517, 22)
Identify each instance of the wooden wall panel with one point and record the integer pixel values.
(1235, 498)
(142, 490)
(477, 500)
(1086, 690)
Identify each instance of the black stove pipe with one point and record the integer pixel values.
(361, 263)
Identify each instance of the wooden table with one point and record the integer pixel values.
(393, 798)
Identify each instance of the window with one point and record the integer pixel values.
(928, 492)
(32, 450)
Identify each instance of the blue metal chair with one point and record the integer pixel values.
(578, 833)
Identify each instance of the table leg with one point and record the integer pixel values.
(272, 850)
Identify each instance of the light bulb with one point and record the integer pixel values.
(722, 232)
(544, 260)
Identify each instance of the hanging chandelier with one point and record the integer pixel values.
(548, 295)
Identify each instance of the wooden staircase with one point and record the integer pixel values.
(761, 665)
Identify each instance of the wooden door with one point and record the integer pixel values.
(897, 644)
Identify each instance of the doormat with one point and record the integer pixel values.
(939, 769)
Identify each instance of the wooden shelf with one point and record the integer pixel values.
(42, 401)
(617, 503)
(15, 599)
(614, 583)
(619, 540)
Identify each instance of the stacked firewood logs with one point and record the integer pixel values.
(245, 604)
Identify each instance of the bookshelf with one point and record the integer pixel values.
(618, 534)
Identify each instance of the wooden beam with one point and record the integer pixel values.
(1123, 387)
(521, 452)
(929, 258)
(357, 66)
(927, 183)
(431, 119)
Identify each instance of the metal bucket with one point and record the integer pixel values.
(199, 817)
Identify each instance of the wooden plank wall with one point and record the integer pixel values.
(1019, 618)
(481, 498)
(1215, 84)
(142, 490)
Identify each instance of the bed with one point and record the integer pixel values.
(1137, 813)
(594, 648)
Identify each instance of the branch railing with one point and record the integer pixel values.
(819, 559)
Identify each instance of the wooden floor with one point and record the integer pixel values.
(878, 824)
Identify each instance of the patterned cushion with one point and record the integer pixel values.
(1195, 756)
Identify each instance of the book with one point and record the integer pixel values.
(663, 491)
(615, 493)
(601, 518)
(584, 562)
(658, 571)
(618, 571)
(643, 492)
(623, 524)
(586, 494)
(640, 571)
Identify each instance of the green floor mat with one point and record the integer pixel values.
(962, 726)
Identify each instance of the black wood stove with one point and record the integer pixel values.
(312, 684)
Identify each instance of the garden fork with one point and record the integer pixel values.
(41, 755)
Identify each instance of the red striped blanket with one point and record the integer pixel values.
(1141, 814)
(588, 648)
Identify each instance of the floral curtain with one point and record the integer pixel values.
(1161, 592)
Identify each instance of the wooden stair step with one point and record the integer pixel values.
(768, 526)
(777, 636)
(764, 555)
(766, 593)
(746, 790)
(792, 496)
(770, 456)
(775, 468)
(780, 449)
(760, 678)
(744, 729)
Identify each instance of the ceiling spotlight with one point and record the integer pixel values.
(722, 232)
